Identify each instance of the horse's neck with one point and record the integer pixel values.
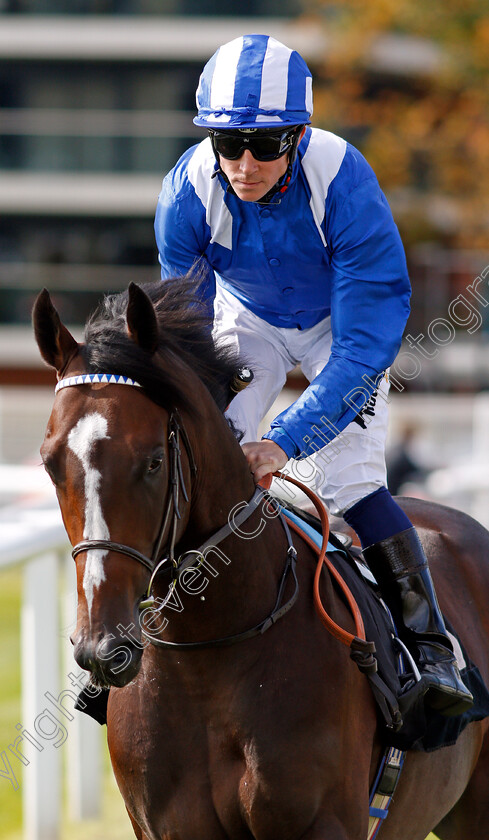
(223, 479)
(241, 571)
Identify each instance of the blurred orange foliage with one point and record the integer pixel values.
(421, 114)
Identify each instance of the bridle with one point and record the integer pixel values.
(157, 565)
(171, 515)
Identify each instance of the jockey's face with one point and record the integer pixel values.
(251, 179)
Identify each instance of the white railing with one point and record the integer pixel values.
(32, 534)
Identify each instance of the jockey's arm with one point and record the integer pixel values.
(369, 308)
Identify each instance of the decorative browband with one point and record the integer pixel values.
(91, 378)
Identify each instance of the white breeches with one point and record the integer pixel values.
(353, 464)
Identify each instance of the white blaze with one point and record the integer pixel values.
(81, 439)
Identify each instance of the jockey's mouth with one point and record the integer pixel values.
(248, 183)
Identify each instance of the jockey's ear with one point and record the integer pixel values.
(56, 344)
(142, 325)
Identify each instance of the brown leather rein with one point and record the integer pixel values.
(194, 558)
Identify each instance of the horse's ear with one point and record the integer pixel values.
(56, 344)
(142, 325)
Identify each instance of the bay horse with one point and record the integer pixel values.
(234, 733)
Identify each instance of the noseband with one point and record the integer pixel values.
(176, 432)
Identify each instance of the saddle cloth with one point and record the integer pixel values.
(423, 728)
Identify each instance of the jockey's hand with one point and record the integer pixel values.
(264, 458)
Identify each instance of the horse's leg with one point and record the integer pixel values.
(469, 818)
(137, 830)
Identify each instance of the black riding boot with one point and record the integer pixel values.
(402, 572)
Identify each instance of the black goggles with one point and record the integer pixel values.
(262, 146)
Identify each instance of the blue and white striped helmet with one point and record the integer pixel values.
(254, 82)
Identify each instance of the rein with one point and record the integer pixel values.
(342, 635)
(279, 609)
(176, 431)
(360, 648)
(170, 519)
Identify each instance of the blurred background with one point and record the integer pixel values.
(96, 104)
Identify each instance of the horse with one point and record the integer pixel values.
(232, 713)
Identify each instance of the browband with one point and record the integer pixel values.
(90, 378)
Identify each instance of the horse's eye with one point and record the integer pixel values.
(155, 464)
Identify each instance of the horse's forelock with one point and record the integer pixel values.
(185, 340)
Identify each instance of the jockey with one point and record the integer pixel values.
(301, 257)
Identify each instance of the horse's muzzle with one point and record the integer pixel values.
(111, 661)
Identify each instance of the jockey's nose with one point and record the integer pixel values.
(247, 162)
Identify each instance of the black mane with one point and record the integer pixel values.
(185, 324)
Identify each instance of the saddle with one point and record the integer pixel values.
(418, 727)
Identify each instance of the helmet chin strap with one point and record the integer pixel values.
(278, 189)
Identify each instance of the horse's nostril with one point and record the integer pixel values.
(118, 661)
(109, 662)
(114, 659)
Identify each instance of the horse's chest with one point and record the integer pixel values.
(231, 762)
(210, 782)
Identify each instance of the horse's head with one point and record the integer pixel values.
(106, 450)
